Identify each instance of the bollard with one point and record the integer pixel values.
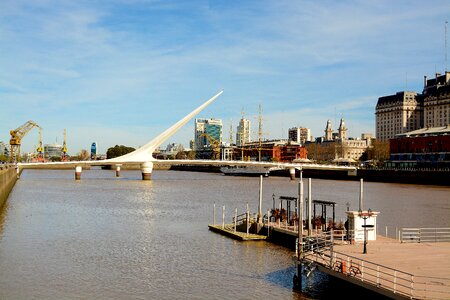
(117, 171)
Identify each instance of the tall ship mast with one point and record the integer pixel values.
(260, 132)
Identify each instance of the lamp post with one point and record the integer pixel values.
(273, 200)
(365, 216)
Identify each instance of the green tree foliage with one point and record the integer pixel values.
(118, 151)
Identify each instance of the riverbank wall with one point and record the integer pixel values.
(8, 178)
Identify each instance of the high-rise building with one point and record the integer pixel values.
(207, 130)
(409, 111)
(243, 132)
(94, 148)
(299, 135)
(436, 101)
(397, 114)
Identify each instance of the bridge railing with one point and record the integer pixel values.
(424, 235)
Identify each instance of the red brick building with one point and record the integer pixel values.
(427, 147)
(280, 151)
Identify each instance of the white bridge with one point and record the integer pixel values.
(143, 156)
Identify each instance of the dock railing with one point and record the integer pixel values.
(379, 276)
(341, 236)
(424, 235)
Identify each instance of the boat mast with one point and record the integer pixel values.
(260, 132)
(242, 134)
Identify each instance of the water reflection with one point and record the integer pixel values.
(116, 238)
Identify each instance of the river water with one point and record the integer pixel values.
(124, 238)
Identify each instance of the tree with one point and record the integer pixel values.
(379, 151)
(118, 151)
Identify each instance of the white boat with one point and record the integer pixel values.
(245, 171)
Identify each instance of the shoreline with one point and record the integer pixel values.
(426, 177)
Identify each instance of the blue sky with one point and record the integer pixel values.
(120, 72)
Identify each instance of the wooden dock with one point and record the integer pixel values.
(228, 230)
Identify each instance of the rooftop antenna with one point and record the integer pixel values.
(446, 22)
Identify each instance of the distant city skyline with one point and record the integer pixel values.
(120, 73)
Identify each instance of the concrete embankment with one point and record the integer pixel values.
(8, 177)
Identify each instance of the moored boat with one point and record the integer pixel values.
(245, 171)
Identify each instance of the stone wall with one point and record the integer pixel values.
(8, 177)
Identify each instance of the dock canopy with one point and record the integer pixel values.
(323, 216)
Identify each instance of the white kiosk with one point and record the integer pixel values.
(360, 220)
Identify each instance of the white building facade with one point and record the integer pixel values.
(243, 132)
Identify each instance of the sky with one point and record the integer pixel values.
(121, 72)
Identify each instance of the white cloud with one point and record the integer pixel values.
(146, 63)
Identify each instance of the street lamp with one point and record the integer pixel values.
(273, 199)
(365, 216)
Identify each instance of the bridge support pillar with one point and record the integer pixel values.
(146, 169)
(78, 170)
(292, 173)
(117, 170)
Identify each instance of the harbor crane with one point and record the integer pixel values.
(40, 148)
(16, 139)
(64, 156)
(215, 146)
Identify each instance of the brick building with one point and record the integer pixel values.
(427, 147)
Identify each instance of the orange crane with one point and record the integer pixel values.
(16, 139)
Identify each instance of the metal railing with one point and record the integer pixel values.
(379, 276)
(424, 235)
(339, 235)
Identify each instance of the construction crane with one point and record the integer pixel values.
(64, 148)
(215, 146)
(16, 139)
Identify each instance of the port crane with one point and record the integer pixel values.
(40, 148)
(215, 146)
(64, 149)
(16, 139)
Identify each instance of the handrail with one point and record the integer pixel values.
(424, 235)
(243, 218)
(381, 276)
